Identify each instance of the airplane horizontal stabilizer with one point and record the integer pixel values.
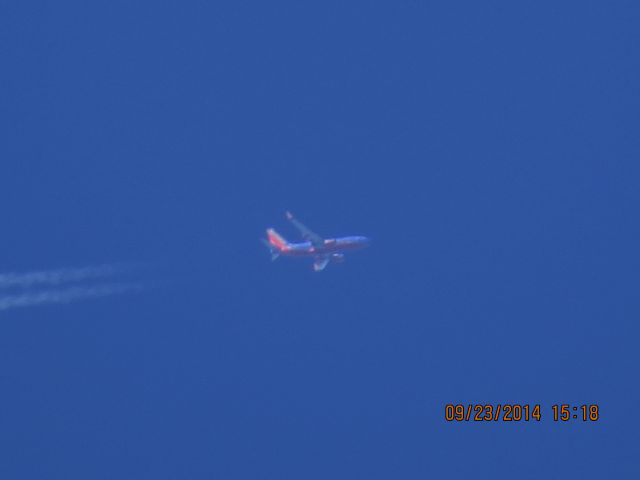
(274, 251)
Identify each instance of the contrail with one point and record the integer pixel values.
(67, 295)
(63, 275)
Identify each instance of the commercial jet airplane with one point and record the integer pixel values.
(314, 246)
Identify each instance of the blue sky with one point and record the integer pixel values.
(490, 149)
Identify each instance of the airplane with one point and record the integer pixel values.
(314, 246)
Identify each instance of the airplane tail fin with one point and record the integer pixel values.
(276, 240)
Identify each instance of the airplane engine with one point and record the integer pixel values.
(337, 257)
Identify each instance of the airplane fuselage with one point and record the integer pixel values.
(331, 246)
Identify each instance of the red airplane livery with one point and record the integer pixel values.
(314, 246)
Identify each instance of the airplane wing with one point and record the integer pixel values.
(321, 262)
(315, 239)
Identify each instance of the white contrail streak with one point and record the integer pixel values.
(57, 277)
(66, 295)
